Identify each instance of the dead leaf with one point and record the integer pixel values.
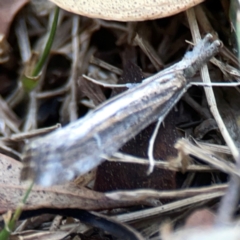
(61, 196)
(200, 218)
(71, 196)
(8, 10)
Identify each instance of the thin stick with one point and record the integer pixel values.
(74, 71)
(176, 205)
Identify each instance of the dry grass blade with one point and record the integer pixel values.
(174, 206)
(170, 165)
(185, 148)
(144, 194)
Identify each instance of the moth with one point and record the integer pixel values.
(78, 148)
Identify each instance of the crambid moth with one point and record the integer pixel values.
(77, 148)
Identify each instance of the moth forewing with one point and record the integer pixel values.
(77, 148)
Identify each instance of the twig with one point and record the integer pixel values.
(147, 213)
(74, 71)
(169, 165)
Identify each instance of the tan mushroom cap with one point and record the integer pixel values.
(126, 10)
